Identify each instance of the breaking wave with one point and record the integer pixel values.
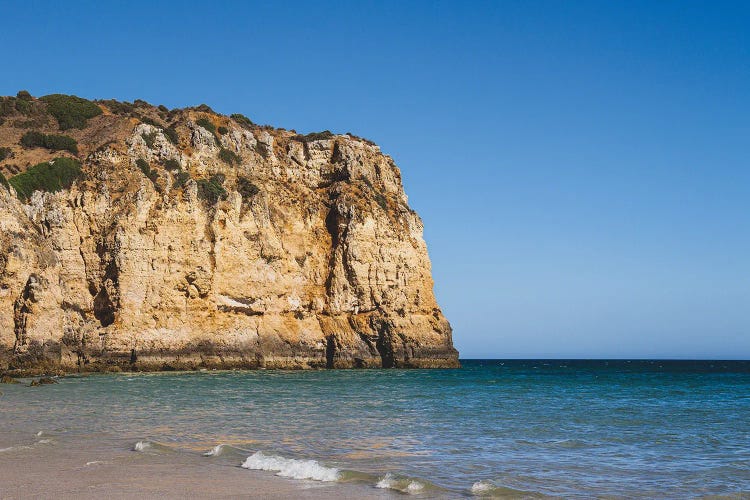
(488, 489)
(141, 446)
(215, 451)
(482, 488)
(289, 467)
(227, 451)
(152, 447)
(404, 485)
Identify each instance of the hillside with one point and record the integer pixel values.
(135, 237)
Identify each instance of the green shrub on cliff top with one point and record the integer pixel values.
(314, 136)
(51, 177)
(51, 142)
(4, 181)
(242, 120)
(70, 111)
(206, 123)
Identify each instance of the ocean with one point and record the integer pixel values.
(494, 428)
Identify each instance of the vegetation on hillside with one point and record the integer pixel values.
(146, 169)
(180, 178)
(51, 176)
(50, 141)
(261, 148)
(229, 157)
(4, 153)
(3, 181)
(171, 134)
(149, 139)
(35, 112)
(206, 123)
(380, 198)
(246, 188)
(212, 190)
(242, 120)
(70, 111)
(172, 164)
(118, 107)
(314, 136)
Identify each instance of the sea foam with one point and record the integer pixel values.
(488, 489)
(289, 467)
(482, 487)
(215, 451)
(141, 446)
(405, 485)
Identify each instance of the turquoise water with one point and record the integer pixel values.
(667, 429)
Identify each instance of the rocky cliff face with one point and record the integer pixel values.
(192, 239)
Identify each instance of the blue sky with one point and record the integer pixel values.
(582, 168)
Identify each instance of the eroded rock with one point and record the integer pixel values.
(309, 256)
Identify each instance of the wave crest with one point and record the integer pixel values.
(404, 485)
(215, 451)
(482, 488)
(141, 446)
(289, 467)
(488, 489)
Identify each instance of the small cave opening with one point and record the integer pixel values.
(384, 345)
(104, 309)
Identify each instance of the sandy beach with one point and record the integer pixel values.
(48, 468)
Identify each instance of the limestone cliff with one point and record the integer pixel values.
(190, 239)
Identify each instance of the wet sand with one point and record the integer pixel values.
(50, 469)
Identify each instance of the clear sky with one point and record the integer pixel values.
(582, 168)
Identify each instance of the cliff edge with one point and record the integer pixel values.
(133, 237)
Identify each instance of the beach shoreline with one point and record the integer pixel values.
(49, 467)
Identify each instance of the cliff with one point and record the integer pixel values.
(139, 238)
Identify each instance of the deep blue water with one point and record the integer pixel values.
(672, 429)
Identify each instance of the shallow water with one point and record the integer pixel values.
(493, 428)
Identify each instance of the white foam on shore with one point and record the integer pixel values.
(215, 451)
(289, 467)
(141, 446)
(414, 486)
(389, 481)
(481, 487)
(386, 481)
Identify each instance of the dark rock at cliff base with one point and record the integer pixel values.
(42, 381)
